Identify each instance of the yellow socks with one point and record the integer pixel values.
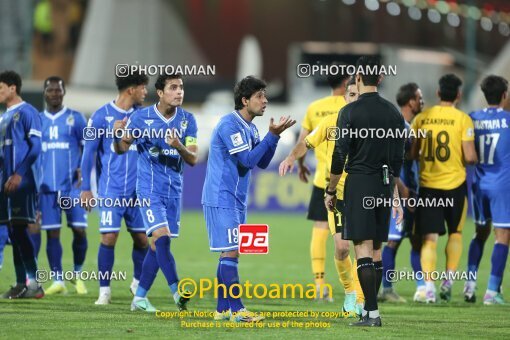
(360, 298)
(453, 251)
(428, 256)
(344, 270)
(318, 253)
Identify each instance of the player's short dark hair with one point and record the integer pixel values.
(133, 78)
(246, 88)
(162, 78)
(54, 79)
(449, 87)
(335, 81)
(11, 78)
(406, 93)
(351, 81)
(369, 62)
(493, 87)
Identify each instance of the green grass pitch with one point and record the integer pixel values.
(287, 262)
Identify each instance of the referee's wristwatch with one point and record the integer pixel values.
(330, 193)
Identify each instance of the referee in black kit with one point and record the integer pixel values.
(372, 164)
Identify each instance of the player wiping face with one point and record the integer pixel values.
(159, 178)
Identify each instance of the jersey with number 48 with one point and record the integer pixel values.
(441, 159)
(492, 140)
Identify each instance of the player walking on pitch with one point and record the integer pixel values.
(116, 180)
(62, 143)
(20, 144)
(448, 146)
(490, 188)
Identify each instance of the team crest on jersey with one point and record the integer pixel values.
(154, 151)
(255, 133)
(470, 132)
(108, 119)
(70, 120)
(15, 116)
(149, 122)
(236, 139)
(184, 124)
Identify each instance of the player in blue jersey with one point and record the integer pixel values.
(235, 149)
(20, 144)
(116, 177)
(410, 101)
(166, 137)
(62, 142)
(491, 188)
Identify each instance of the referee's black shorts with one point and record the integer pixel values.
(316, 209)
(362, 220)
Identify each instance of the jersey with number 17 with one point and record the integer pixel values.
(492, 140)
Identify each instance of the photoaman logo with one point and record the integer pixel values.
(253, 238)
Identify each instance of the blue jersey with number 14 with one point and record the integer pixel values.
(492, 140)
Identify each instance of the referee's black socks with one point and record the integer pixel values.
(368, 282)
(378, 266)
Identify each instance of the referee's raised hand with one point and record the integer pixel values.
(284, 124)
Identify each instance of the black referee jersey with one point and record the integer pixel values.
(361, 125)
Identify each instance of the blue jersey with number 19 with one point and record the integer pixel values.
(229, 166)
(492, 140)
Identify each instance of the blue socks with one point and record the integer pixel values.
(388, 260)
(80, 246)
(150, 269)
(230, 276)
(498, 261)
(416, 264)
(474, 255)
(138, 256)
(105, 258)
(36, 241)
(4, 234)
(167, 262)
(54, 252)
(223, 304)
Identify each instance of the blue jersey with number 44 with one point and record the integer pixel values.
(492, 140)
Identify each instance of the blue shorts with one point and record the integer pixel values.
(396, 230)
(223, 227)
(110, 218)
(19, 206)
(491, 206)
(51, 212)
(163, 212)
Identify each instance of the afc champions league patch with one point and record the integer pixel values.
(70, 120)
(236, 139)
